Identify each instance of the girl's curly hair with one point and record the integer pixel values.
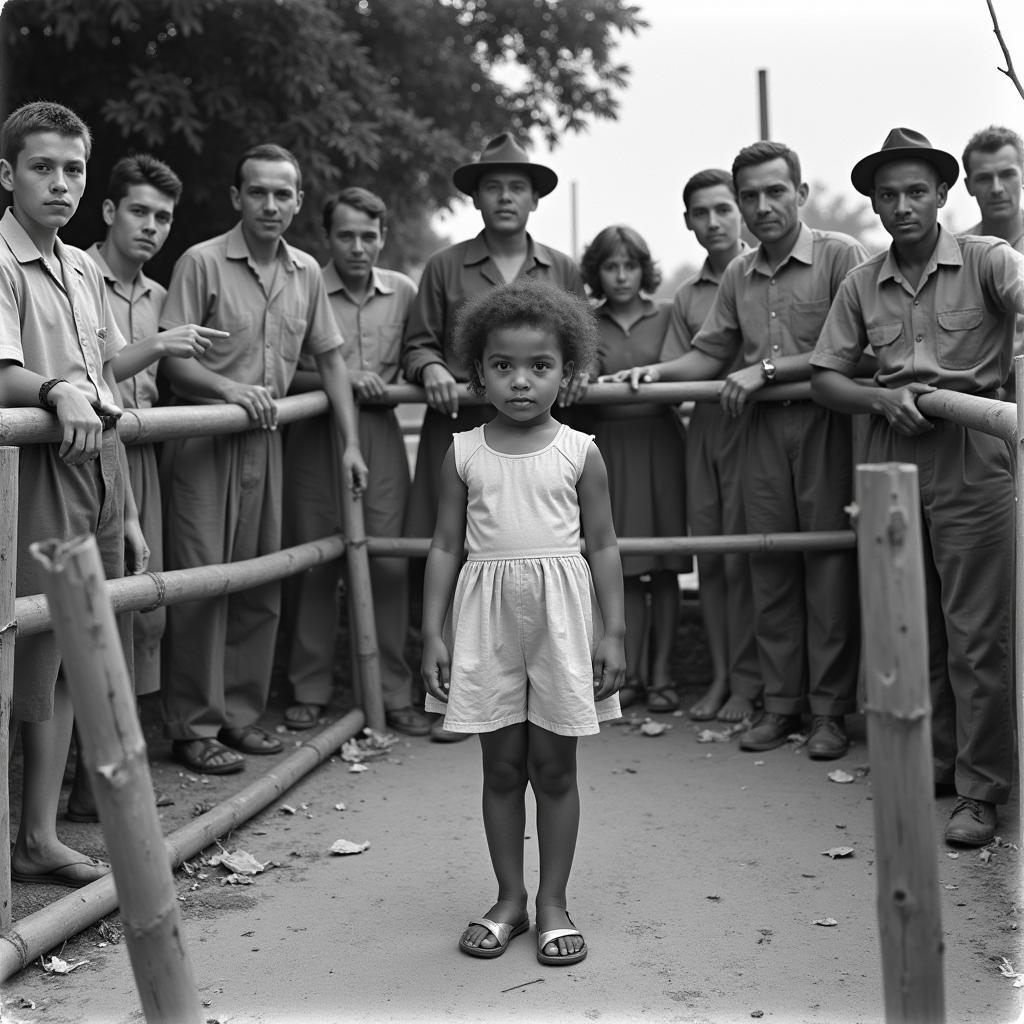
(605, 244)
(525, 303)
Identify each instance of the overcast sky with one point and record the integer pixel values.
(841, 73)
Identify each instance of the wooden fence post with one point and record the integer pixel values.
(1018, 580)
(115, 757)
(895, 653)
(8, 628)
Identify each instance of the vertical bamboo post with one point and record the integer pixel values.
(363, 624)
(115, 757)
(895, 653)
(8, 627)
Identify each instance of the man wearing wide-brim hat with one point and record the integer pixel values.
(938, 311)
(505, 186)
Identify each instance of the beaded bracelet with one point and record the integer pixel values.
(44, 391)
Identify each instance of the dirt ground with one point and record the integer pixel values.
(700, 883)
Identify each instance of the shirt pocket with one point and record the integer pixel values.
(882, 338)
(807, 319)
(293, 333)
(960, 342)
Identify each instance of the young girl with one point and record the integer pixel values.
(645, 447)
(532, 653)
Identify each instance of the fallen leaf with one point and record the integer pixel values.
(373, 744)
(840, 776)
(985, 855)
(241, 862)
(838, 851)
(286, 809)
(713, 736)
(654, 728)
(110, 932)
(952, 855)
(236, 879)
(339, 807)
(358, 768)
(58, 966)
(757, 1013)
(827, 922)
(344, 846)
(1007, 971)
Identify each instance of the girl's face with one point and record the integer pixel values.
(620, 277)
(522, 369)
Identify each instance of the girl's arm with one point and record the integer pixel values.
(606, 568)
(444, 560)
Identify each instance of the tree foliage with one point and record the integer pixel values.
(389, 94)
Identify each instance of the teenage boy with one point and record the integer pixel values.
(371, 306)
(223, 493)
(505, 187)
(57, 343)
(993, 165)
(938, 311)
(138, 211)
(714, 503)
(797, 462)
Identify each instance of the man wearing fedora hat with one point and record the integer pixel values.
(938, 311)
(505, 186)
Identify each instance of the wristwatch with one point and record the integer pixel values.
(768, 370)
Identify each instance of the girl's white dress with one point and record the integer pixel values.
(524, 621)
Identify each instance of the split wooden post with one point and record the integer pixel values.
(895, 653)
(114, 753)
(363, 621)
(8, 628)
(1018, 580)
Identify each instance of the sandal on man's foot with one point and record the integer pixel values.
(546, 938)
(71, 875)
(503, 934)
(206, 756)
(250, 739)
(662, 701)
(303, 716)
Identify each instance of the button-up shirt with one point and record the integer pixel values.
(457, 274)
(763, 312)
(137, 312)
(690, 308)
(52, 327)
(372, 327)
(216, 284)
(953, 330)
(1018, 335)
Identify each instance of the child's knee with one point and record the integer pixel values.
(552, 777)
(505, 777)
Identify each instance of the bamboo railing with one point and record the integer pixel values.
(31, 615)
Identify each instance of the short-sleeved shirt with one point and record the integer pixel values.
(55, 329)
(690, 308)
(954, 330)
(137, 312)
(619, 349)
(457, 274)
(1018, 246)
(373, 327)
(760, 312)
(216, 284)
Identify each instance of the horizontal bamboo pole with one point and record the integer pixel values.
(114, 756)
(33, 935)
(131, 593)
(149, 590)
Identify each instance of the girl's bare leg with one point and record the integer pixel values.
(664, 617)
(504, 754)
(552, 771)
(714, 612)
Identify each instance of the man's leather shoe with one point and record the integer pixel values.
(411, 721)
(772, 731)
(972, 823)
(439, 734)
(828, 739)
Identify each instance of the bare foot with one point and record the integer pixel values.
(552, 918)
(503, 912)
(736, 709)
(707, 707)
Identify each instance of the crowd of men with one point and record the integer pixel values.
(247, 319)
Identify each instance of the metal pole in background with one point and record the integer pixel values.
(762, 95)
